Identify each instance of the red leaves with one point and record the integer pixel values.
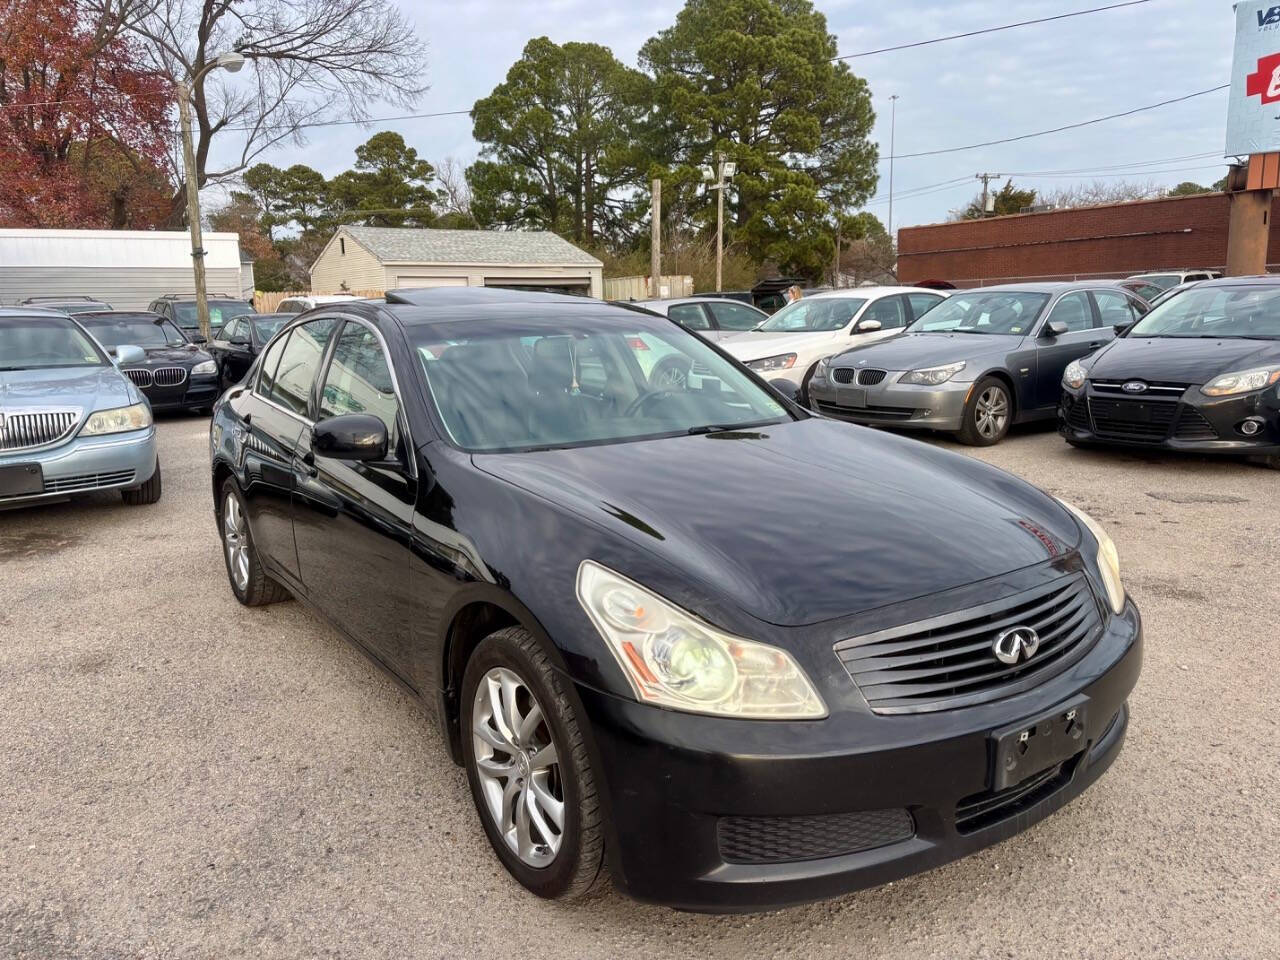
(84, 128)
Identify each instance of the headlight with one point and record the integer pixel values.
(1075, 375)
(675, 660)
(205, 366)
(932, 376)
(783, 361)
(1243, 381)
(1108, 558)
(119, 420)
(820, 371)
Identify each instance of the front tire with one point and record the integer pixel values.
(249, 582)
(988, 414)
(528, 768)
(148, 493)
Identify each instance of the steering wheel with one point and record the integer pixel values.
(640, 402)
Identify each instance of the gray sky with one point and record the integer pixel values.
(954, 93)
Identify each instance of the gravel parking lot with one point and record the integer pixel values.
(182, 777)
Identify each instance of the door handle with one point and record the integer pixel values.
(1096, 343)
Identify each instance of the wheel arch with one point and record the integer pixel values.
(1003, 375)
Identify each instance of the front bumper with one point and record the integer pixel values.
(194, 393)
(890, 403)
(113, 462)
(1190, 423)
(673, 781)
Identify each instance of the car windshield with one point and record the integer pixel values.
(527, 386)
(28, 343)
(144, 332)
(1215, 312)
(220, 311)
(266, 327)
(1162, 280)
(992, 312)
(813, 315)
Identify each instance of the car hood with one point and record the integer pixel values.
(912, 351)
(82, 388)
(183, 356)
(804, 521)
(1179, 359)
(755, 346)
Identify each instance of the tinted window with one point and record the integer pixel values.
(28, 343)
(270, 361)
(1213, 312)
(812, 315)
(689, 316)
(890, 311)
(142, 331)
(1115, 309)
(299, 363)
(230, 330)
(266, 327)
(220, 311)
(289, 306)
(736, 316)
(582, 380)
(922, 303)
(1074, 311)
(359, 379)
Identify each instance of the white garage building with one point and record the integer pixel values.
(384, 258)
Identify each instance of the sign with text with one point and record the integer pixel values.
(1253, 115)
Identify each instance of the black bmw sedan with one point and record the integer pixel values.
(175, 373)
(692, 638)
(1200, 373)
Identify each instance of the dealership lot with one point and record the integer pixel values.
(186, 777)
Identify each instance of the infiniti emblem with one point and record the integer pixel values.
(1134, 386)
(1015, 645)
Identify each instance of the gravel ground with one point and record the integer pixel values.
(182, 777)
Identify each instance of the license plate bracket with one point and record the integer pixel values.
(1034, 745)
(854, 397)
(21, 480)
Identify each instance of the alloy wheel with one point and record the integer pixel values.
(235, 535)
(518, 767)
(992, 413)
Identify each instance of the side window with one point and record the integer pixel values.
(689, 316)
(735, 316)
(270, 361)
(890, 311)
(230, 330)
(289, 306)
(359, 380)
(1139, 307)
(1114, 308)
(922, 303)
(299, 364)
(1073, 310)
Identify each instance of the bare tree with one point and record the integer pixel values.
(1100, 192)
(310, 61)
(455, 194)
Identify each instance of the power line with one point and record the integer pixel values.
(1069, 126)
(975, 33)
(345, 123)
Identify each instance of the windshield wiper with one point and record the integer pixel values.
(725, 427)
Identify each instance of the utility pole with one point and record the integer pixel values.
(655, 242)
(893, 125)
(230, 62)
(986, 179)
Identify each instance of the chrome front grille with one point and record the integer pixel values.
(842, 375)
(19, 431)
(168, 376)
(140, 376)
(948, 661)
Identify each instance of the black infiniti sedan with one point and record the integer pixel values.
(653, 666)
(1200, 373)
(175, 374)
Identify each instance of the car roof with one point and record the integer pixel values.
(674, 301)
(412, 307)
(149, 315)
(324, 298)
(863, 292)
(1050, 287)
(33, 311)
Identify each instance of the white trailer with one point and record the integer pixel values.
(126, 268)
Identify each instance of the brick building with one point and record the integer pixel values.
(1114, 240)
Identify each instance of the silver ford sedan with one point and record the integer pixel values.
(70, 421)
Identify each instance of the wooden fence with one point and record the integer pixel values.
(642, 288)
(267, 301)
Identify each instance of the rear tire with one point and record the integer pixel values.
(148, 493)
(988, 414)
(249, 582)
(534, 775)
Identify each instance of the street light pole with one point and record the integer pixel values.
(893, 124)
(231, 62)
(724, 169)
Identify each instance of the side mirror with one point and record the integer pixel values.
(788, 390)
(352, 436)
(128, 353)
(867, 326)
(1055, 328)
(1123, 328)
(197, 338)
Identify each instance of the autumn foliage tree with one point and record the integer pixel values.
(84, 131)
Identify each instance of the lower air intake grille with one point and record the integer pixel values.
(1193, 426)
(1078, 415)
(87, 481)
(1141, 420)
(984, 809)
(949, 661)
(788, 839)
